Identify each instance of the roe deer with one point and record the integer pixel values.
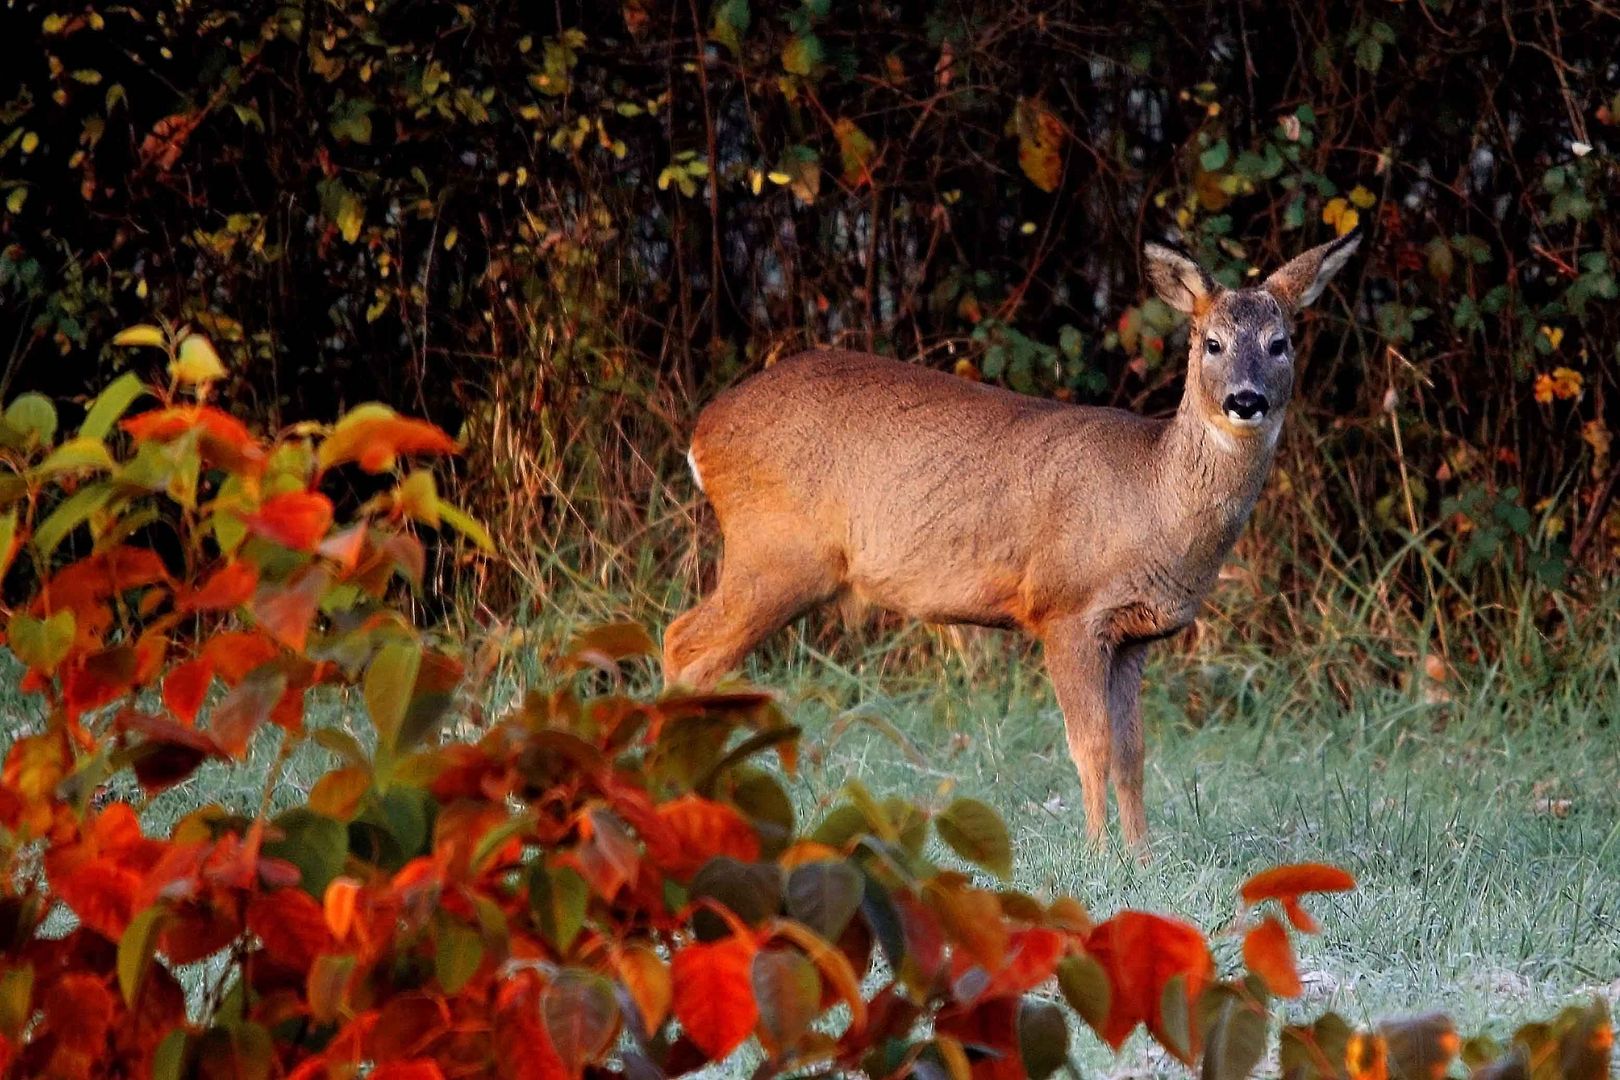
(842, 474)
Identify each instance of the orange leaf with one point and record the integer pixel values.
(230, 586)
(702, 829)
(185, 687)
(293, 519)
(235, 653)
(714, 993)
(337, 906)
(645, 977)
(223, 438)
(292, 927)
(374, 435)
(344, 547)
(1141, 953)
(1286, 884)
(1268, 954)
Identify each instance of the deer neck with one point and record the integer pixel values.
(1208, 474)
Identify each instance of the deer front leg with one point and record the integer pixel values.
(1125, 714)
(1078, 661)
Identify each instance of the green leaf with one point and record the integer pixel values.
(1043, 1037)
(172, 1056)
(468, 526)
(314, 843)
(1175, 1013)
(8, 537)
(41, 644)
(30, 420)
(1086, 988)
(72, 512)
(16, 999)
(459, 952)
(135, 950)
(788, 991)
(824, 896)
(976, 832)
(388, 684)
(1216, 156)
(110, 405)
(76, 455)
(1234, 1035)
(557, 897)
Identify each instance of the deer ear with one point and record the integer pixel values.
(1179, 281)
(1300, 281)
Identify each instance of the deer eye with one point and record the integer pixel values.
(1212, 347)
(1278, 346)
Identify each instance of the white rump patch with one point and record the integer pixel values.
(697, 477)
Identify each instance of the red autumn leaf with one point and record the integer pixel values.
(714, 993)
(80, 1007)
(1141, 953)
(1286, 884)
(419, 1069)
(1268, 954)
(82, 586)
(230, 586)
(993, 1025)
(702, 829)
(374, 435)
(1032, 956)
(236, 653)
(185, 687)
(292, 927)
(223, 439)
(169, 751)
(99, 874)
(523, 1049)
(293, 519)
(287, 610)
(98, 679)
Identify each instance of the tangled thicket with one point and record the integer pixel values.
(561, 227)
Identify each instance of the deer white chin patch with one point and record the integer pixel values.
(697, 477)
(1245, 422)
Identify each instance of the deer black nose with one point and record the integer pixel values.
(1246, 405)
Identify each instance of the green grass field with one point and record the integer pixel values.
(1485, 832)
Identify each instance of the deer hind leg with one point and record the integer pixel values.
(757, 594)
(1125, 715)
(1078, 661)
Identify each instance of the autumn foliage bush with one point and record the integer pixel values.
(596, 885)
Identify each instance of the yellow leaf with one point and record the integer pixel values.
(1361, 197)
(1554, 335)
(1040, 143)
(1566, 383)
(141, 334)
(856, 149)
(30, 142)
(15, 199)
(1348, 222)
(1544, 389)
(1333, 211)
(196, 362)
